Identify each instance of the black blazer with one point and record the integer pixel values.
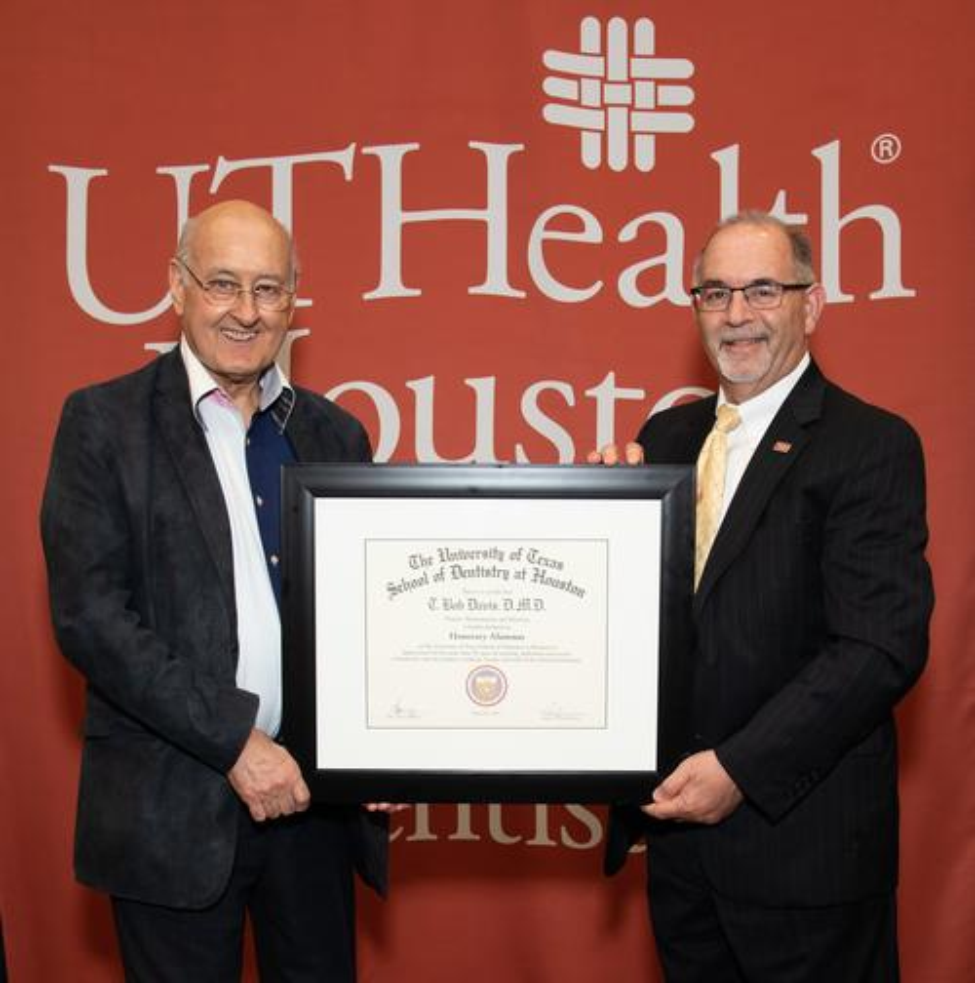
(140, 569)
(810, 623)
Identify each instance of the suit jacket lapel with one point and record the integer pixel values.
(680, 441)
(185, 441)
(314, 435)
(305, 435)
(776, 453)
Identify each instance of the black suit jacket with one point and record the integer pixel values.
(810, 623)
(140, 567)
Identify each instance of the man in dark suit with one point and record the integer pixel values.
(161, 532)
(772, 846)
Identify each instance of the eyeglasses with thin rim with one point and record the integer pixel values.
(760, 295)
(224, 292)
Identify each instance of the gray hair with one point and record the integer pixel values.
(802, 252)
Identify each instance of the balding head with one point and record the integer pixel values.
(798, 240)
(232, 282)
(224, 219)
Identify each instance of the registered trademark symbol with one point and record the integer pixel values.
(886, 148)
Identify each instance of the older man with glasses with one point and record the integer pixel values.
(772, 846)
(162, 535)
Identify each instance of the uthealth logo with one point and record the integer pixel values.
(617, 93)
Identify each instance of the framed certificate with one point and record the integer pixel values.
(486, 633)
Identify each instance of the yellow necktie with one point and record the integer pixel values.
(711, 465)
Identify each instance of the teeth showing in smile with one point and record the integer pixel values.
(238, 334)
(735, 342)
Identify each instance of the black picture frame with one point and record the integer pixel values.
(314, 491)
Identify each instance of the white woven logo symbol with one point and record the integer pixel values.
(613, 95)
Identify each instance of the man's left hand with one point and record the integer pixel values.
(698, 790)
(268, 780)
(387, 807)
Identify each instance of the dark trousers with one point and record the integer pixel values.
(293, 876)
(703, 937)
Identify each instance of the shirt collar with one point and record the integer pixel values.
(761, 409)
(276, 391)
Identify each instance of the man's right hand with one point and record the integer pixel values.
(631, 453)
(268, 780)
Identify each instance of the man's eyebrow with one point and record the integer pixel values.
(233, 274)
(748, 283)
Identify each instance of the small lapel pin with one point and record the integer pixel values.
(782, 447)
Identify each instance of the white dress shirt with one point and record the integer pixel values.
(756, 417)
(258, 621)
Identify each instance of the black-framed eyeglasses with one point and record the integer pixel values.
(760, 295)
(225, 292)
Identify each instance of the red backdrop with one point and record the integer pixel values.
(484, 280)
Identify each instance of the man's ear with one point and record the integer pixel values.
(814, 302)
(177, 289)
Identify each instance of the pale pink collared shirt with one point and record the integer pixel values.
(258, 621)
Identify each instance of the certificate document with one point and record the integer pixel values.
(495, 633)
(486, 633)
(499, 634)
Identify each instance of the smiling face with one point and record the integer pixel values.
(751, 350)
(238, 242)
